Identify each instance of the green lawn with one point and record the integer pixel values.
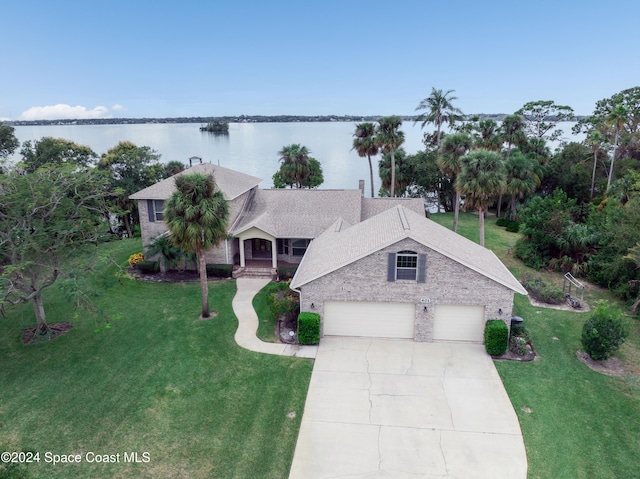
(158, 381)
(582, 424)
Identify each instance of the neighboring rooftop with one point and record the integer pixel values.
(232, 183)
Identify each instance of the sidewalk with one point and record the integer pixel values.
(248, 323)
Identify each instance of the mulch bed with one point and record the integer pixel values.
(55, 330)
(610, 367)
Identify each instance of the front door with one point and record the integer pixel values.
(261, 248)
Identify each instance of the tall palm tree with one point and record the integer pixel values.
(388, 138)
(296, 166)
(197, 216)
(615, 118)
(521, 178)
(512, 130)
(453, 148)
(364, 143)
(482, 178)
(595, 140)
(440, 109)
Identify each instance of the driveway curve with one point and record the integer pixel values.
(399, 409)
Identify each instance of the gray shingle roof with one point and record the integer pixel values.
(338, 247)
(374, 206)
(230, 182)
(291, 213)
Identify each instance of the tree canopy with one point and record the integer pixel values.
(297, 168)
(55, 151)
(45, 216)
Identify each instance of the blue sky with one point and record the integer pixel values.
(206, 58)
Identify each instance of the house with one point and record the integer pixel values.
(267, 227)
(398, 274)
(374, 267)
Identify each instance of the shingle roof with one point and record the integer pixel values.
(374, 206)
(338, 247)
(303, 213)
(230, 182)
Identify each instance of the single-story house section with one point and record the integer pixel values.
(267, 227)
(398, 274)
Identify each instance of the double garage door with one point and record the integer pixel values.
(396, 320)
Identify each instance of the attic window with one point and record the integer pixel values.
(407, 265)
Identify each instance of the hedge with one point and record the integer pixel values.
(308, 328)
(219, 270)
(496, 337)
(148, 266)
(286, 272)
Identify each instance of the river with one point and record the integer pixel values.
(251, 148)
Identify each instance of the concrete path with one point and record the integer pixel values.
(248, 323)
(398, 409)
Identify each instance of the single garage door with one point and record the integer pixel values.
(369, 319)
(454, 322)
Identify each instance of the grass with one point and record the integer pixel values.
(582, 424)
(158, 381)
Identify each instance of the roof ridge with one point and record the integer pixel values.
(403, 218)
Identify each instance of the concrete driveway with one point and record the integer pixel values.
(398, 409)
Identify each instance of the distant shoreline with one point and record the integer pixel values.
(229, 119)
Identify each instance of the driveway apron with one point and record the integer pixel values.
(400, 409)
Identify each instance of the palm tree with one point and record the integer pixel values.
(162, 246)
(512, 130)
(365, 144)
(482, 179)
(595, 140)
(197, 216)
(521, 178)
(388, 138)
(615, 118)
(440, 110)
(453, 148)
(295, 163)
(486, 134)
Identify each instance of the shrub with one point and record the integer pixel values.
(502, 222)
(148, 266)
(604, 332)
(513, 226)
(519, 331)
(286, 272)
(135, 258)
(308, 328)
(496, 337)
(219, 270)
(528, 253)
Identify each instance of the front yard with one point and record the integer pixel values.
(576, 423)
(158, 381)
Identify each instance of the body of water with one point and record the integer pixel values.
(250, 148)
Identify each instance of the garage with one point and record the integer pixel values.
(455, 322)
(369, 319)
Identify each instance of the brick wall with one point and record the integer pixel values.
(447, 282)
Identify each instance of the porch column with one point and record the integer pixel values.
(241, 252)
(274, 254)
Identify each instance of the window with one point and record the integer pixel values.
(158, 206)
(299, 246)
(283, 246)
(407, 265)
(155, 208)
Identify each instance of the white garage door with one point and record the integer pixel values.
(455, 322)
(368, 319)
